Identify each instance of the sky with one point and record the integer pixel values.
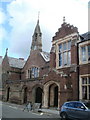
(18, 19)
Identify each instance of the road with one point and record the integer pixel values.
(15, 112)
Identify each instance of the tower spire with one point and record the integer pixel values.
(37, 37)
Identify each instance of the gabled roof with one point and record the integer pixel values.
(46, 56)
(16, 63)
(85, 36)
(64, 30)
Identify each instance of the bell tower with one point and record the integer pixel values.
(37, 38)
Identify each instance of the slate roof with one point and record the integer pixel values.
(37, 28)
(46, 56)
(16, 63)
(85, 36)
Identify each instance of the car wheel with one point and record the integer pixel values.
(63, 116)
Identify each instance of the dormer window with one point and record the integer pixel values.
(84, 53)
(88, 52)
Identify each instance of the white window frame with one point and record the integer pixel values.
(81, 85)
(85, 44)
(36, 72)
(33, 75)
(64, 52)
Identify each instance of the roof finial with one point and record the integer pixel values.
(38, 14)
(6, 51)
(64, 19)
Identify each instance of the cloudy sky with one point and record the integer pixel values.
(18, 19)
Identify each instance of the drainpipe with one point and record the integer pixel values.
(78, 67)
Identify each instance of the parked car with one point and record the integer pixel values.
(75, 110)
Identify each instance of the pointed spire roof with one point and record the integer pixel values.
(37, 38)
(37, 28)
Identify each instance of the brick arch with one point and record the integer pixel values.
(49, 93)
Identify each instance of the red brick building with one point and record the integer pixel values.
(84, 66)
(49, 78)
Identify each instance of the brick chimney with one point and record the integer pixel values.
(52, 57)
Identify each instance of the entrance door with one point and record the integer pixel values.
(25, 95)
(8, 91)
(53, 96)
(38, 97)
(56, 96)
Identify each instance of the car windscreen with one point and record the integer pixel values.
(87, 104)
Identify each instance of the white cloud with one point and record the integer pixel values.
(24, 15)
(2, 17)
(89, 16)
(3, 32)
(3, 35)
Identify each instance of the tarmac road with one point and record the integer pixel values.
(12, 112)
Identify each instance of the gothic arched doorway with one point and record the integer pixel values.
(38, 95)
(51, 94)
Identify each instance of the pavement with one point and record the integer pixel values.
(43, 110)
(52, 111)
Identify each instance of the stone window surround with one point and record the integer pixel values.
(60, 41)
(81, 45)
(65, 53)
(80, 85)
(28, 72)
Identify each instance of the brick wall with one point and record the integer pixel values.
(35, 60)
